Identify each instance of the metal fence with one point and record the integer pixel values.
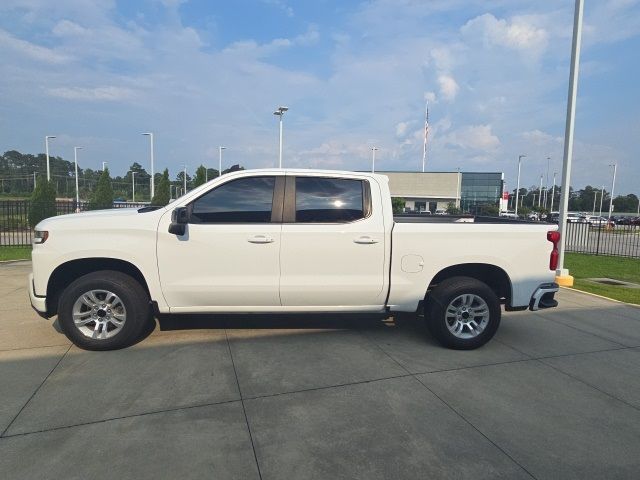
(14, 218)
(619, 241)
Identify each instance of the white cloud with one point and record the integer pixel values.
(448, 87)
(31, 50)
(430, 97)
(401, 129)
(109, 93)
(518, 33)
(476, 137)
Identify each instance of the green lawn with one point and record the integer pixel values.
(583, 266)
(15, 253)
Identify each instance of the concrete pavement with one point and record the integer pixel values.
(555, 395)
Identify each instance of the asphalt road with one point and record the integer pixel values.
(555, 395)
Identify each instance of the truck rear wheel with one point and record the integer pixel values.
(462, 313)
(104, 310)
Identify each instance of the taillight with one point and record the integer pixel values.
(554, 237)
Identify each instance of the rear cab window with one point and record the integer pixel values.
(331, 200)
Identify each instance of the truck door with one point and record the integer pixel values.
(333, 244)
(229, 257)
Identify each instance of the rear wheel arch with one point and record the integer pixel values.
(67, 272)
(493, 276)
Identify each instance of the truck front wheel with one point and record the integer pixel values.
(462, 313)
(104, 310)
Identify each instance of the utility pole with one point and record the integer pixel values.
(562, 274)
(595, 196)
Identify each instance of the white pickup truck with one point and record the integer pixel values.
(287, 241)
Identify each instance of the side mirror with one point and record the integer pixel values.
(179, 220)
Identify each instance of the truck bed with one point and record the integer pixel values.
(418, 218)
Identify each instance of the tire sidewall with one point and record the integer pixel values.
(132, 295)
(444, 294)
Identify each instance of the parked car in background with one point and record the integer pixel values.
(597, 221)
(441, 211)
(573, 217)
(287, 241)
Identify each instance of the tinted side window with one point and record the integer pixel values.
(328, 200)
(246, 200)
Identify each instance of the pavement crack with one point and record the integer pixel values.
(35, 392)
(244, 410)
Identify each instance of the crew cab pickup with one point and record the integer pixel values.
(287, 241)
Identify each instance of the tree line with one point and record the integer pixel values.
(20, 173)
(587, 199)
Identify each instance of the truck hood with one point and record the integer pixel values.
(93, 219)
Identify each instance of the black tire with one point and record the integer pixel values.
(437, 301)
(132, 295)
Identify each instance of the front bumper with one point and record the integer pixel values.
(39, 304)
(543, 297)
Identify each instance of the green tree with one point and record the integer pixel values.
(161, 197)
(201, 175)
(43, 201)
(397, 204)
(103, 195)
(452, 209)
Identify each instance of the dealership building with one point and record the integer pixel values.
(469, 191)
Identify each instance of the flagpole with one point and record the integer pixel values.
(426, 132)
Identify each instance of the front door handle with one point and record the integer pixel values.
(365, 240)
(260, 239)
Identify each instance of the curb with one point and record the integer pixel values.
(600, 296)
(4, 262)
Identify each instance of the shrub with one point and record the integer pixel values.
(103, 196)
(43, 202)
(162, 193)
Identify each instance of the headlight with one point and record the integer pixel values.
(40, 236)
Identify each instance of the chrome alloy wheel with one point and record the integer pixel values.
(467, 316)
(99, 314)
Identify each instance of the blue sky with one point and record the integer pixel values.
(354, 74)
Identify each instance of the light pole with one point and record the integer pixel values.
(595, 197)
(46, 147)
(562, 274)
(520, 157)
(546, 185)
(613, 187)
(373, 158)
(133, 186)
(220, 148)
(540, 192)
(458, 199)
(280, 113)
(601, 197)
(153, 181)
(185, 178)
(75, 158)
(553, 191)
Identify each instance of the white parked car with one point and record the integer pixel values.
(573, 217)
(597, 221)
(286, 241)
(441, 211)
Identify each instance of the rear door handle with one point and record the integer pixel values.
(365, 240)
(260, 239)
